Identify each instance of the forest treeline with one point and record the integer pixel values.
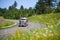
(41, 7)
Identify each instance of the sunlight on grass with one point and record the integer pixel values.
(4, 23)
(50, 19)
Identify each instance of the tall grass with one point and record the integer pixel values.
(50, 19)
(48, 33)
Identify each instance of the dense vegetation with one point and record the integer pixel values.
(41, 7)
(49, 19)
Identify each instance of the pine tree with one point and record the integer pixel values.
(42, 6)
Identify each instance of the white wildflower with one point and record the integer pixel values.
(51, 26)
(46, 32)
(37, 35)
(45, 28)
(50, 31)
(50, 34)
(44, 35)
(33, 31)
(40, 32)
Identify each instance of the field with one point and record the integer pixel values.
(50, 19)
(50, 32)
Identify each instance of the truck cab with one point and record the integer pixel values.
(23, 22)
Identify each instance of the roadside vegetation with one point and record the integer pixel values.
(49, 19)
(48, 33)
(5, 23)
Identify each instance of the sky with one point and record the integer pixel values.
(25, 3)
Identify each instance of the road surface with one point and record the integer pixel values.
(30, 25)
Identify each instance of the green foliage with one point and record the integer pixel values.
(2, 11)
(4, 25)
(44, 6)
(13, 6)
(14, 13)
(11, 14)
(31, 11)
(57, 10)
(50, 19)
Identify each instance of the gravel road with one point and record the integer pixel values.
(30, 25)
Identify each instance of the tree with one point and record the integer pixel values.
(14, 5)
(50, 4)
(57, 10)
(22, 7)
(22, 11)
(30, 11)
(10, 7)
(2, 11)
(42, 6)
(12, 13)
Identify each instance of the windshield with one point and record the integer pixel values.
(23, 19)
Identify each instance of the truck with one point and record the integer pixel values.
(23, 22)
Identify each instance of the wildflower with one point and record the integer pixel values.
(46, 32)
(37, 33)
(44, 35)
(33, 31)
(46, 28)
(37, 36)
(50, 31)
(50, 34)
(51, 26)
(40, 32)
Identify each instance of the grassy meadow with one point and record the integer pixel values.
(4, 23)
